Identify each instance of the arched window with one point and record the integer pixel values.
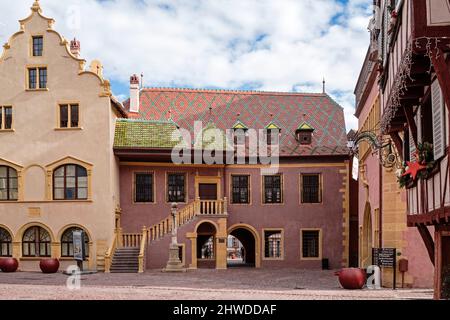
(36, 243)
(70, 182)
(5, 243)
(67, 242)
(8, 184)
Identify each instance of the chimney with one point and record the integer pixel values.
(75, 47)
(134, 93)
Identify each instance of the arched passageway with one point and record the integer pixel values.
(243, 251)
(206, 249)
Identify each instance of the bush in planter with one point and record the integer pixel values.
(9, 264)
(49, 265)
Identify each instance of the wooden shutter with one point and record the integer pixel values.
(412, 148)
(418, 118)
(437, 104)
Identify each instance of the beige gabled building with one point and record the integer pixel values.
(57, 167)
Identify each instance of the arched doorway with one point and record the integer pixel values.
(248, 246)
(367, 241)
(206, 248)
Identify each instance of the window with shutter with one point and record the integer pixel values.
(438, 111)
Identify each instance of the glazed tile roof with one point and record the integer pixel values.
(144, 134)
(257, 110)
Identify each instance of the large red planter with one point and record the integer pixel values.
(49, 265)
(9, 264)
(352, 278)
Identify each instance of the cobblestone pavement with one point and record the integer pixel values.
(232, 284)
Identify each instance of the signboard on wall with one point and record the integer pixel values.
(78, 246)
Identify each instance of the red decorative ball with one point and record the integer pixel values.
(352, 278)
(49, 265)
(9, 264)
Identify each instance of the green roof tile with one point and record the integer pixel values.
(144, 134)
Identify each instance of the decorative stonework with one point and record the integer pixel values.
(345, 190)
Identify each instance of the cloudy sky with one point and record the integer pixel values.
(272, 45)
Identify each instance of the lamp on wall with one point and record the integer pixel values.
(387, 154)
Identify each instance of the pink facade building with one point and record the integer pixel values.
(294, 216)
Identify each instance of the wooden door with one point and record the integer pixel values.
(207, 191)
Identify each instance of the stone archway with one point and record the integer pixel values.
(367, 238)
(249, 239)
(206, 245)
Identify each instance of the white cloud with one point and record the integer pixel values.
(213, 43)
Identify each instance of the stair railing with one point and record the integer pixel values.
(142, 250)
(131, 240)
(110, 253)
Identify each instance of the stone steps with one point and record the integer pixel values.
(125, 260)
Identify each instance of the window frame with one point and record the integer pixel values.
(249, 189)
(263, 191)
(3, 118)
(320, 244)
(240, 137)
(320, 188)
(9, 249)
(282, 245)
(37, 243)
(70, 105)
(32, 51)
(272, 141)
(133, 195)
(65, 182)
(8, 187)
(185, 187)
(38, 69)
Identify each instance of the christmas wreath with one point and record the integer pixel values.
(420, 168)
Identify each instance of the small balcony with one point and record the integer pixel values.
(429, 199)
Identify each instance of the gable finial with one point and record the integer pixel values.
(36, 6)
(324, 88)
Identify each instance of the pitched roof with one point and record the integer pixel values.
(305, 127)
(239, 125)
(144, 134)
(255, 109)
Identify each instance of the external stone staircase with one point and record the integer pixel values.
(127, 252)
(125, 260)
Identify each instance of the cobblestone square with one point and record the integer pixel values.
(232, 284)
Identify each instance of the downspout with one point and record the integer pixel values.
(380, 214)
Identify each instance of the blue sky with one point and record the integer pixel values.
(271, 45)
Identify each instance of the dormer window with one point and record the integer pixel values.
(240, 132)
(38, 46)
(272, 134)
(303, 134)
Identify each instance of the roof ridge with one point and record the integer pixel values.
(146, 121)
(228, 91)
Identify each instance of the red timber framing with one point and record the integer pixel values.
(418, 53)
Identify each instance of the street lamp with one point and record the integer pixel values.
(387, 154)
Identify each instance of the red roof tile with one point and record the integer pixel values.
(256, 110)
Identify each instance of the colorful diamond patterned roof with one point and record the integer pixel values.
(258, 110)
